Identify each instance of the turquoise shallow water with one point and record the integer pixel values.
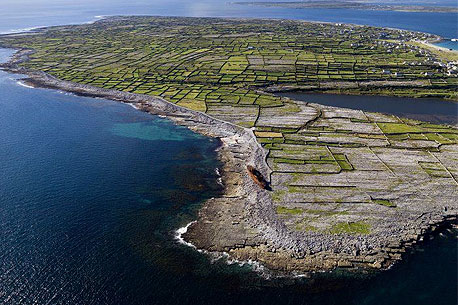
(448, 44)
(160, 131)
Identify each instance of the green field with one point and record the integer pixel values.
(352, 165)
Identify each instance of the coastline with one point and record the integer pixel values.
(242, 222)
(38, 28)
(237, 141)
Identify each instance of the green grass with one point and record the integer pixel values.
(343, 162)
(438, 138)
(193, 104)
(289, 211)
(399, 128)
(358, 227)
(326, 212)
(384, 202)
(278, 195)
(288, 161)
(434, 169)
(301, 226)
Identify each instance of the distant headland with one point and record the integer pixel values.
(354, 5)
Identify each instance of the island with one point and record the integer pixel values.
(353, 5)
(307, 187)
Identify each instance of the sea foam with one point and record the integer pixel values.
(22, 84)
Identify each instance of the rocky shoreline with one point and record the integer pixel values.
(243, 222)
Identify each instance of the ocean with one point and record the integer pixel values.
(92, 192)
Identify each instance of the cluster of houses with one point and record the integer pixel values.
(448, 68)
(452, 68)
(399, 42)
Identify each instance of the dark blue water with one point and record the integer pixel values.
(20, 14)
(432, 110)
